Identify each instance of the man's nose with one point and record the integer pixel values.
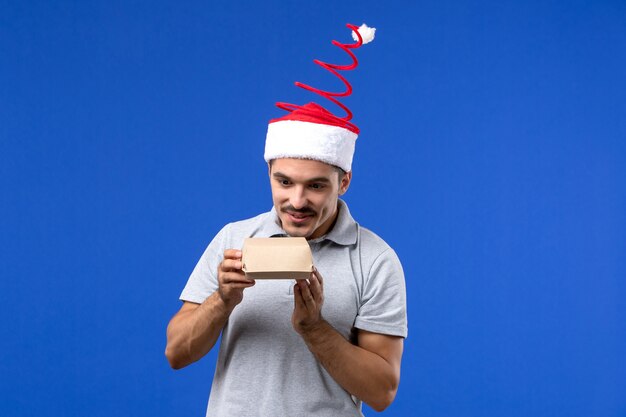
(298, 198)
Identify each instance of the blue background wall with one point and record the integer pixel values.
(492, 157)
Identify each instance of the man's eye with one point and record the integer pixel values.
(317, 186)
(284, 182)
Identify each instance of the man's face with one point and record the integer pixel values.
(305, 195)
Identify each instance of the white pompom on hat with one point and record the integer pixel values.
(311, 131)
(367, 34)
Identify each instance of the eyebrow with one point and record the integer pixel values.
(316, 179)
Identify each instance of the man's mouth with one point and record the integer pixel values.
(298, 216)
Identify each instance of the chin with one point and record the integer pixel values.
(298, 232)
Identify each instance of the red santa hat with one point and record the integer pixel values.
(311, 131)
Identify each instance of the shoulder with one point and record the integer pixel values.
(376, 252)
(371, 243)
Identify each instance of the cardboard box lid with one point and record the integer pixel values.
(277, 258)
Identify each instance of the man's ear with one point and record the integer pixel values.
(344, 184)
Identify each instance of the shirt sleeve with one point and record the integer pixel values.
(203, 280)
(383, 304)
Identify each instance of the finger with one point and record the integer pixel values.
(232, 254)
(298, 302)
(231, 265)
(234, 277)
(316, 288)
(319, 277)
(239, 285)
(309, 301)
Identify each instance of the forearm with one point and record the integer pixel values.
(192, 334)
(362, 373)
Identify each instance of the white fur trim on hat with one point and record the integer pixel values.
(333, 145)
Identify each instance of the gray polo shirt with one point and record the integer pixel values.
(264, 367)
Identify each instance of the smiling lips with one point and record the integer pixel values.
(296, 217)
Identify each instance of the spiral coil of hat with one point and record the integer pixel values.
(333, 68)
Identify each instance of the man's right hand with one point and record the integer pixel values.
(231, 279)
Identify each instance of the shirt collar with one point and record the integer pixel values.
(344, 232)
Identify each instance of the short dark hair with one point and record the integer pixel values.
(340, 171)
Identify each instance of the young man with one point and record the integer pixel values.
(315, 347)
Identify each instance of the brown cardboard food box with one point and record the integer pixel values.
(277, 258)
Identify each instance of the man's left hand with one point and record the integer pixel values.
(308, 301)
